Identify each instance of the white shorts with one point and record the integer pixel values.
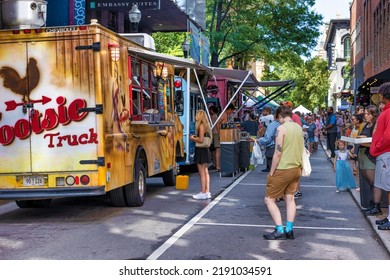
(382, 172)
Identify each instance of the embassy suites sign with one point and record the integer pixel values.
(123, 5)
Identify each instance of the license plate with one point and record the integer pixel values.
(33, 181)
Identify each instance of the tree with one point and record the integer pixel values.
(310, 77)
(245, 30)
(169, 42)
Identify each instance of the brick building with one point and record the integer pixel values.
(370, 48)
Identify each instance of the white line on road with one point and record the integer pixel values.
(177, 235)
(273, 226)
(302, 185)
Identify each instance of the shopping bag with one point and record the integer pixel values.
(257, 155)
(306, 166)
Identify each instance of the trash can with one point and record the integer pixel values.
(244, 155)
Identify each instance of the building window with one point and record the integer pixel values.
(346, 42)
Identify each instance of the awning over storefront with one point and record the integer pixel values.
(374, 82)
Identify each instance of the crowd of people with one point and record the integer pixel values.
(284, 134)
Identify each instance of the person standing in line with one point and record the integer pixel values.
(331, 132)
(367, 162)
(380, 148)
(357, 122)
(317, 133)
(296, 118)
(344, 177)
(216, 145)
(286, 169)
(311, 132)
(266, 117)
(268, 140)
(202, 155)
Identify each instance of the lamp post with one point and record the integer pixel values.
(185, 46)
(135, 18)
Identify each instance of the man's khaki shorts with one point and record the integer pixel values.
(284, 181)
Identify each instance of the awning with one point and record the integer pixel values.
(262, 98)
(236, 76)
(246, 80)
(176, 61)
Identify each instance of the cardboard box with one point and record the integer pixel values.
(182, 182)
(358, 140)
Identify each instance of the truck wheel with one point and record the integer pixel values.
(40, 203)
(169, 178)
(118, 197)
(135, 192)
(24, 203)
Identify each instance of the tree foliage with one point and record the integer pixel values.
(169, 42)
(256, 29)
(310, 77)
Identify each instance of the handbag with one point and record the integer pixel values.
(306, 166)
(207, 140)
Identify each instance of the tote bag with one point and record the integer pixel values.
(306, 166)
(207, 140)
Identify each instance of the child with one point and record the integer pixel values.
(344, 177)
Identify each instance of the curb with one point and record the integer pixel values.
(383, 235)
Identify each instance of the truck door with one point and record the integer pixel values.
(45, 126)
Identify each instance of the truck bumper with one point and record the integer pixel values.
(44, 193)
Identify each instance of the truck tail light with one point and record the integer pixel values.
(84, 180)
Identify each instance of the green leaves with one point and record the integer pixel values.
(258, 29)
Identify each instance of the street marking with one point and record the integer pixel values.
(177, 235)
(273, 226)
(302, 185)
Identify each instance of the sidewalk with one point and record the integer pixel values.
(383, 235)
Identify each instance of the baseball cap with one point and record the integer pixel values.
(287, 103)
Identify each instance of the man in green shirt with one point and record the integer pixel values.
(284, 174)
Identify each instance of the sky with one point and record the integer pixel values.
(329, 10)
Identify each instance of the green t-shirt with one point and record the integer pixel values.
(292, 146)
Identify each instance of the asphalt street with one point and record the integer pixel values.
(328, 226)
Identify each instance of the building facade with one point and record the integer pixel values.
(157, 15)
(370, 33)
(337, 46)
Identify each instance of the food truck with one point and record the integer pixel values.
(84, 112)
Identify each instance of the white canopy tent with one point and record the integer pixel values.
(302, 110)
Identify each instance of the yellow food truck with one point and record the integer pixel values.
(84, 112)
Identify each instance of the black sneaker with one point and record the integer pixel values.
(290, 235)
(381, 222)
(374, 211)
(385, 226)
(275, 235)
(297, 195)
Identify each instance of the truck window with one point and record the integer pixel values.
(144, 86)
